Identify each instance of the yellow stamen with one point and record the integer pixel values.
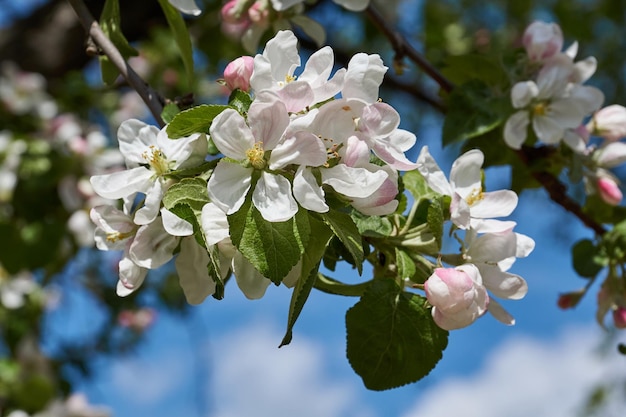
(157, 160)
(475, 196)
(256, 156)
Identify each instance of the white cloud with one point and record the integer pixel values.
(252, 377)
(526, 377)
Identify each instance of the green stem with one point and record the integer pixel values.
(332, 286)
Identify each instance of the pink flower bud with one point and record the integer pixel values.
(609, 191)
(237, 74)
(609, 122)
(229, 13)
(570, 299)
(619, 317)
(542, 40)
(457, 296)
(258, 13)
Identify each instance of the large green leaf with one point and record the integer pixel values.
(194, 120)
(392, 338)
(320, 235)
(273, 248)
(181, 36)
(344, 228)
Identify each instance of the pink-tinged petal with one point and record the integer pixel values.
(542, 40)
(460, 213)
(131, 277)
(356, 153)
(491, 225)
(382, 201)
(330, 88)
(307, 192)
(493, 247)
(465, 175)
(229, 185)
(296, 96)
(364, 76)
(434, 176)
(335, 121)
(250, 281)
(379, 120)
(612, 154)
(499, 203)
(353, 182)
(303, 148)
(609, 122)
(395, 158)
(548, 130)
(214, 224)
(522, 93)
(503, 284)
(152, 246)
(231, 134)
(134, 137)
(453, 321)
(516, 129)
(123, 183)
(174, 225)
(272, 197)
(191, 266)
(238, 72)
(151, 204)
(318, 67)
(279, 60)
(500, 313)
(268, 121)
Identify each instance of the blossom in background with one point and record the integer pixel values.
(470, 206)
(609, 123)
(542, 40)
(150, 156)
(186, 6)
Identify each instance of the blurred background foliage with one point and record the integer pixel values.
(45, 261)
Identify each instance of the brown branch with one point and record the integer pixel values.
(147, 94)
(403, 48)
(558, 193)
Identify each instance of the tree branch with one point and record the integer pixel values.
(404, 49)
(147, 94)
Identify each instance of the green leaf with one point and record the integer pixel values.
(473, 110)
(344, 228)
(169, 111)
(240, 101)
(435, 218)
(273, 248)
(461, 69)
(189, 191)
(110, 22)
(372, 226)
(584, 254)
(181, 36)
(392, 338)
(311, 258)
(405, 265)
(415, 183)
(194, 120)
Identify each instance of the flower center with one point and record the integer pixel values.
(288, 79)
(475, 196)
(157, 160)
(256, 156)
(117, 236)
(540, 109)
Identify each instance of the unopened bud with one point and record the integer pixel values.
(542, 40)
(609, 122)
(609, 191)
(570, 299)
(619, 317)
(237, 74)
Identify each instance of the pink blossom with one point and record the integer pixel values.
(542, 40)
(237, 73)
(619, 317)
(609, 191)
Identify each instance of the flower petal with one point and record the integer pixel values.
(307, 192)
(231, 134)
(500, 313)
(499, 203)
(151, 204)
(516, 129)
(272, 197)
(174, 225)
(303, 148)
(434, 176)
(214, 224)
(192, 271)
(134, 138)
(123, 183)
(152, 246)
(353, 182)
(250, 281)
(229, 185)
(503, 284)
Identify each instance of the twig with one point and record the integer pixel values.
(147, 94)
(404, 48)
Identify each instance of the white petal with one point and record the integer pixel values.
(364, 76)
(516, 129)
(503, 284)
(303, 148)
(379, 120)
(465, 175)
(231, 134)
(434, 176)
(186, 6)
(131, 277)
(307, 192)
(393, 156)
(229, 185)
(491, 225)
(612, 155)
(152, 246)
(500, 313)
(296, 96)
(109, 220)
(268, 121)
(495, 204)
(184, 152)
(280, 58)
(272, 197)
(191, 266)
(585, 69)
(548, 130)
(525, 245)
(353, 182)
(311, 28)
(522, 93)
(123, 183)
(460, 212)
(151, 204)
(134, 138)
(174, 225)
(493, 247)
(250, 281)
(214, 224)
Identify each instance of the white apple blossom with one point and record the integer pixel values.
(457, 296)
(553, 104)
(186, 6)
(542, 40)
(274, 71)
(150, 156)
(246, 146)
(470, 206)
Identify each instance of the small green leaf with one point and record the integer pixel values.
(472, 111)
(415, 183)
(110, 22)
(392, 338)
(372, 226)
(311, 258)
(583, 258)
(169, 111)
(194, 120)
(181, 36)
(435, 218)
(461, 69)
(273, 248)
(405, 265)
(347, 232)
(189, 191)
(240, 101)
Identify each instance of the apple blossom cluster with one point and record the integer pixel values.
(461, 294)
(554, 100)
(296, 142)
(76, 405)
